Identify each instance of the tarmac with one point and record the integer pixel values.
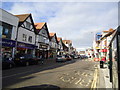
(101, 76)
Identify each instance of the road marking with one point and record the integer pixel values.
(73, 79)
(78, 81)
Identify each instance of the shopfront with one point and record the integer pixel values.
(8, 46)
(25, 48)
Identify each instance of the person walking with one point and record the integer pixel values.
(43, 57)
(102, 62)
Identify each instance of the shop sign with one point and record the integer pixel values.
(8, 43)
(25, 45)
(97, 47)
(103, 50)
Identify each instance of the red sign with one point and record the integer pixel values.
(103, 50)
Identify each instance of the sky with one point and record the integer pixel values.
(76, 21)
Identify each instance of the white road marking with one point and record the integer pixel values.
(78, 81)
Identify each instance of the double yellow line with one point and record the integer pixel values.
(95, 80)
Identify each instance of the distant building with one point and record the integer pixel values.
(53, 44)
(68, 43)
(60, 46)
(82, 52)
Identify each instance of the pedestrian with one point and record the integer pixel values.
(102, 62)
(43, 57)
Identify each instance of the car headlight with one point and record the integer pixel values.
(21, 57)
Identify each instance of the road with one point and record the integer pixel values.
(71, 74)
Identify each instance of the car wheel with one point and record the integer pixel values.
(27, 63)
(36, 62)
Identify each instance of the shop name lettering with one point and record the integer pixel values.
(8, 43)
(21, 45)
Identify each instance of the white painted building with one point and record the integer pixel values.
(8, 28)
(42, 39)
(68, 43)
(53, 45)
(25, 34)
(60, 46)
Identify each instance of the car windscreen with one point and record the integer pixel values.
(59, 56)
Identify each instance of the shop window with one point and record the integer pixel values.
(24, 37)
(6, 30)
(30, 39)
(28, 25)
(1, 30)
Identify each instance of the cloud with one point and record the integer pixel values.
(75, 21)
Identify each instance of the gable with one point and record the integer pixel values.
(27, 24)
(43, 32)
(54, 39)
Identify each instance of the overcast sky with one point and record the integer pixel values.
(76, 21)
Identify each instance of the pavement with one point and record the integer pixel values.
(103, 80)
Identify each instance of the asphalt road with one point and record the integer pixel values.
(72, 74)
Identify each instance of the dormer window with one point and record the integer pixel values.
(28, 25)
(43, 32)
(30, 39)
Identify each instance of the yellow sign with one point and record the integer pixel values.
(97, 47)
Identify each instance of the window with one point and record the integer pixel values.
(24, 37)
(30, 39)
(1, 28)
(28, 25)
(6, 30)
(43, 32)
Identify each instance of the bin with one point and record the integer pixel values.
(101, 64)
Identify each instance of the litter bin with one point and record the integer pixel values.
(101, 64)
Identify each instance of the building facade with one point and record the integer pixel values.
(60, 46)
(53, 45)
(25, 35)
(8, 28)
(68, 43)
(42, 39)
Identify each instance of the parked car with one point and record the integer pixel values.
(25, 59)
(7, 61)
(75, 57)
(72, 56)
(60, 58)
(68, 57)
(79, 56)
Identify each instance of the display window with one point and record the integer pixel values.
(6, 51)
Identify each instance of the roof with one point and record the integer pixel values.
(110, 30)
(52, 34)
(22, 17)
(59, 38)
(68, 41)
(108, 34)
(39, 25)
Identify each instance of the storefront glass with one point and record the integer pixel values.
(6, 30)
